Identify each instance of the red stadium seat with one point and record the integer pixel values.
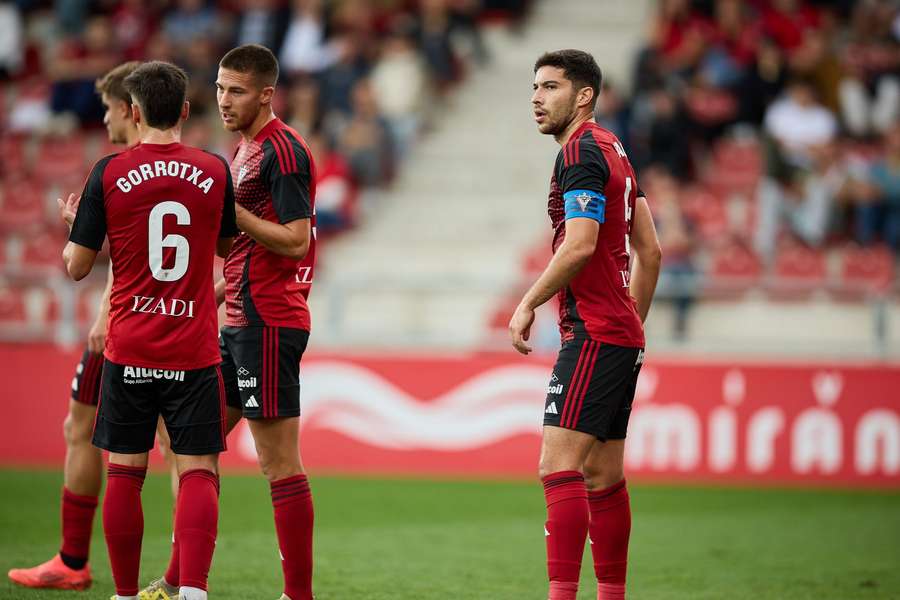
(12, 154)
(22, 204)
(12, 306)
(708, 211)
(865, 271)
(41, 305)
(735, 168)
(43, 250)
(799, 271)
(735, 269)
(61, 157)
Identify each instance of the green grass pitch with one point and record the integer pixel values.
(410, 539)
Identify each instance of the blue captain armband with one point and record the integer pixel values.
(585, 203)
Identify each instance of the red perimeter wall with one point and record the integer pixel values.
(480, 415)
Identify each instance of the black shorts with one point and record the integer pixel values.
(261, 367)
(86, 383)
(592, 388)
(192, 405)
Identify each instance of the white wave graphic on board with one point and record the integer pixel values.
(361, 404)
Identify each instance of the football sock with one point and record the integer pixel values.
(77, 522)
(172, 572)
(123, 525)
(610, 529)
(196, 526)
(292, 501)
(565, 531)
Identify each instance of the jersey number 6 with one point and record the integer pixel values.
(157, 242)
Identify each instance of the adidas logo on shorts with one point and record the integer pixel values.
(251, 402)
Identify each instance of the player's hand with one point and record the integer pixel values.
(68, 208)
(520, 328)
(97, 337)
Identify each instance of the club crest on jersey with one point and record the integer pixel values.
(176, 307)
(583, 200)
(242, 173)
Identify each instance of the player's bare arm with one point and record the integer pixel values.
(575, 251)
(79, 260)
(97, 334)
(647, 258)
(289, 239)
(220, 291)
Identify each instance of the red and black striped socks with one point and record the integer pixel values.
(610, 529)
(196, 526)
(123, 525)
(77, 523)
(565, 531)
(292, 501)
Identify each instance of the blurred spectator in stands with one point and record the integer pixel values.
(709, 107)
(435, 42)
(870, 89)
(12, 40)
(732, 43)
(304, 113)
(133, 22)
(807, 200)
(364, 138)
(306, 48)
(74, 69)
(678, 274)
(816, 62)
(614, 113)
(788, 21)
(336, 193)
(193, 19)
(159, 47)
(400, 82)
(262, 22)
(878, 211)
(677, 42)
(763, 81)
(796, 123)
(464, 24)
(200, 60)
(71, 15)
(337, 82)
(666, 142)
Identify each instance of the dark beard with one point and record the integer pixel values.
(564, 123)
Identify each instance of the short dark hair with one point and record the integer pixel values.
(254, 59)
(113, 83)
(160, 89)
(579, 67)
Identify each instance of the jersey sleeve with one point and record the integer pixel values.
(582, 179)
(89, 228)
(287, 171)
(228, 227)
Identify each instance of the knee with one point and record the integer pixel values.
(600, 477)
(548, 467)
(75, 431)
(277, 464)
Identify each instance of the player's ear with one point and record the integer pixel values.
(136, 113)
(266, 95)
(185, 110)
(585, 97)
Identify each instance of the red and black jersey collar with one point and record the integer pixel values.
(266, 131)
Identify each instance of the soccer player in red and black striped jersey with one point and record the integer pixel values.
(604, 270)
(268, 275)
(166, 209)
(83, 470)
